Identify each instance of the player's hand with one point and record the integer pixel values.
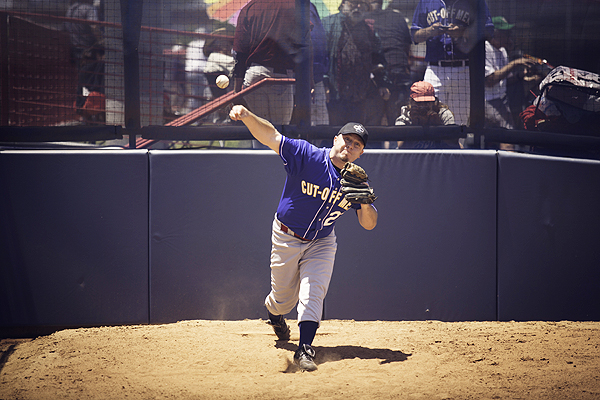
(455, 31)
(438, 29)
(238, 113)
(525, 62)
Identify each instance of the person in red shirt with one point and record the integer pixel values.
(267, 40)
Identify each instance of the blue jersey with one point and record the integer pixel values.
(311, 201)
(457, 12)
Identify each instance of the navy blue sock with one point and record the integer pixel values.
(308, 330)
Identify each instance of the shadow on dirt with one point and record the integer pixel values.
(325, 354)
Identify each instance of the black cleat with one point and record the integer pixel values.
(282, 330)
(303, 358)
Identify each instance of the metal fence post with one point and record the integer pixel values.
(4, 71)
(131, 19)
(477, 76)
(303, 67)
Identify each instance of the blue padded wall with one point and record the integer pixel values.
(211, 215)
(432, 254)
(73, 238)
(548, 238)
(119, 237)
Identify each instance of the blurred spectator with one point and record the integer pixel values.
(497, 70)
(425, 109)
(318, 110)
(522, 83)
(175, 82)
(198, 90)
(450, 34)
(390, 24)
(220, 61)
(354, 54)
(418, 66)
(99, 4)
(87, 53)
(266, 42)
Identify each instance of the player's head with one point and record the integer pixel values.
(356, 129)
(350, 141)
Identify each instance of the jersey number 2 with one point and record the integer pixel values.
(331, 219)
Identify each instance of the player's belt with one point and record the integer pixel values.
(450, 63)
(290, 232)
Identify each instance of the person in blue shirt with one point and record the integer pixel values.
(303, 238)
(449, 29)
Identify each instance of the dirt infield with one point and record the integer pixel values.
(357, 360)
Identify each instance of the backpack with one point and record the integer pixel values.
(570, 100)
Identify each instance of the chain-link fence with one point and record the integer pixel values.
(70, 63)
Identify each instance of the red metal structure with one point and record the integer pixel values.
(215, 105)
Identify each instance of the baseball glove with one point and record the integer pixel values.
(354, 173)
(354, 185)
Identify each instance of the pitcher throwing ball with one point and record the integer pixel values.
(321, 184)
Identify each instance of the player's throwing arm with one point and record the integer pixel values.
(259, 127)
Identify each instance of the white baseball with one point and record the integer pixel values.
(222, 81)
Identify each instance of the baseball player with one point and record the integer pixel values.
(303, 237)
(449, 28)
